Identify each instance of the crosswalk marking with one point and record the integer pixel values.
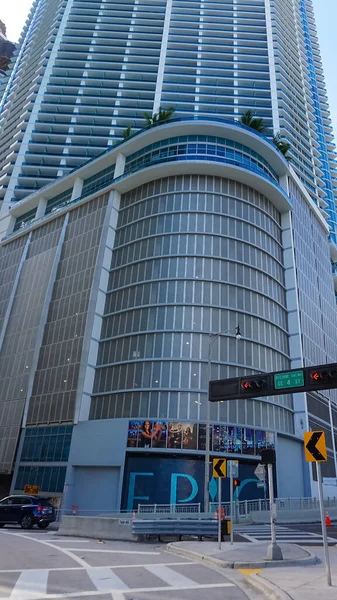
(261, 533)
(171, 564)
(104, 579)
(168, 575)
(30, 585)
(195, 586)
(33, 584)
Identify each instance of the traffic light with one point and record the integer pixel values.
(236, 482)
(306, 379)
(253, 384)
(323, 375)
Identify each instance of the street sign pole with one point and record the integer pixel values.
(219, 513)
(231, 496)
(324, 534)
(274, 551)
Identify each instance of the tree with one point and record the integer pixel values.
(127, 132)
(162, 116)
(255, 123)
(282, 145)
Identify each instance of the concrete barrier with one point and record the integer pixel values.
(102, 528)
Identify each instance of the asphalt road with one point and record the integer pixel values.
(39, 565)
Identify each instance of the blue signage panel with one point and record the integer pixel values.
(160, 479)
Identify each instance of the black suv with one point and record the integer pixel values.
(27, 511)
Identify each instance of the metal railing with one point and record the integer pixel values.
(245, 507)
(242, 509)
(169, 508)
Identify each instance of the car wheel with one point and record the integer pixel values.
(43, 525)
(26, 522)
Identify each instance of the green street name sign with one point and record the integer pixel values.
(291, 379)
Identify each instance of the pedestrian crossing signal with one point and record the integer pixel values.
(236, 482)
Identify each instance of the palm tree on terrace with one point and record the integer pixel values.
(162, 116)
(253, 122)
(282, 145)
(127, 132)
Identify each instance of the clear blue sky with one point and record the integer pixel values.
(14, 13)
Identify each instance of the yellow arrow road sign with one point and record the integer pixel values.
(315, 446)
(219, 467)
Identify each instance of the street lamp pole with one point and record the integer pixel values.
(212, 338)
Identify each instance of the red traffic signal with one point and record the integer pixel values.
(322, 375)
(253, 384)
(236, 482)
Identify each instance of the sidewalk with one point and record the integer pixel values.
(300, 576)
(304, 583)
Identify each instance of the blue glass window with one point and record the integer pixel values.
(206, 148)
(49, 479)
(46, 444)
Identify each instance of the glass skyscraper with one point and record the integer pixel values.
(121, 254)
(88, 69)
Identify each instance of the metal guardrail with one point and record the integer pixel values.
(179, 527)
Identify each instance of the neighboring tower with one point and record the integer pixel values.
(88, 70)
(6, 53)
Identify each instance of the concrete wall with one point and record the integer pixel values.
(97, 527)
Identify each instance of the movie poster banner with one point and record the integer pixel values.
(186, 435)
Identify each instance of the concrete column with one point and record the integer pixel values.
(120, 165)
(77, 188)
(96, 309)
(284, 183)
(41, 207)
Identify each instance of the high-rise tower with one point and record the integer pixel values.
(87, 70)
(131, 258)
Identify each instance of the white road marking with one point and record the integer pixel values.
(70, 541)
(109, 551)
(106, 580)
(66, 551)
(195, 586)
(30, 585)
(169, 575)
(172, 564)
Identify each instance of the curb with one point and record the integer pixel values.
(311, 559)
(270, 590)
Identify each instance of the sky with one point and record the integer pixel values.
(14, 12)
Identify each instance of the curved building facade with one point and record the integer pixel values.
(156, 251)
